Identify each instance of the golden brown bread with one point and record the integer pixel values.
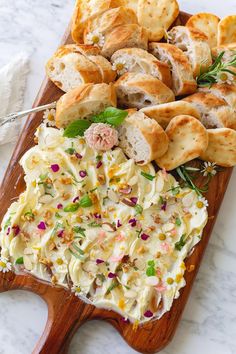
(227, 30)
(188, 139)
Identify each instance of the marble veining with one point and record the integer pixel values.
(209, 320)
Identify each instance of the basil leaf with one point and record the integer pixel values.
(111, 115)
(181, 243)
(148, 176)
(20, 260)
(85, 202)
(72, 207)
(138, 208)
(76, 128)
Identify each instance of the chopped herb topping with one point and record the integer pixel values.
(181, 243)
(148, 176)
(20, 260)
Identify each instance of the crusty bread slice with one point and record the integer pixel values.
(195, 45)
(108, 75)
(181, 69)
(164, 113)
(227, 30)
(215, 112)
(188, 140)
(221, 148)
(223, 91)
(229, 50)
(206, 23)
(86, 10)
(141, 90)
(71, 69)
(108, 20)
(157, 16)
(140, 61)
(126, 36)
(83, 102)
(142, 138)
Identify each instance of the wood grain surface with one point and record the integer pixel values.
(66, 313)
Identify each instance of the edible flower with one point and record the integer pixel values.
(82, 174)
(55, 167)
(111, 275)
(5, 265)
(59, 206)
(99, 164)
(133, 222)
(60, 233)
(120, 66)
(76, 290)
(99, 261)
(209, 169)
(144, 237)
(42, 225)
(49, 117)
(202, 202)
(134, 200)
(119, 223)
(95, 38)
(148, 314)
(101, 136)
(16, 230)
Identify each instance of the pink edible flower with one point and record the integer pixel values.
(133, 222)
(97, 216)
(160, 287)
(78, 155)
(111, 275)
(144, 237)
(16, 230)
(82, 174)
(101, 236)
(116, 259)
(100, 136)
(55, 167)
(148, 314)
(42, 225)
(134, 200)
(165, 246)
(173, 232)
(60, 233)
(120, 237)
(99, 261)
(59, 206)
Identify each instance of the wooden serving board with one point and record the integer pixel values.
(66, 313)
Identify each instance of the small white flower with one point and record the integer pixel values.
(202, 202)
(225, 78)
(168, 282)
(209, 169)
(59, 262)
(96, 38)
(49, 117)
(5, 265)
(76, 290)
(120, 66)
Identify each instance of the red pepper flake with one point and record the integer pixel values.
(55, 167)
(148, 314)
(111, 275)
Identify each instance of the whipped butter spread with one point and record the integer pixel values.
(115, 233)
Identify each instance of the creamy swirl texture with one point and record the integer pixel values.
(117, 231)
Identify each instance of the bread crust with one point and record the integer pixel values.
(157, 16)
(108, 75)
(227, 30)
(83, 97)
(145, 85)
(131, 35)
(225, 92)
(165, 112)
(206, 23)
(145, 63)
(188, 140)
(221, 148)
(182, 73)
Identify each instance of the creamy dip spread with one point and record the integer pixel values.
(113, 232)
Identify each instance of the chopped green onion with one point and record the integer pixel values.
(181, 243)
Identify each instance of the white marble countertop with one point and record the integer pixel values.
(209, 320)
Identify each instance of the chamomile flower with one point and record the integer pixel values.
(168, 282)
(120, 66)
(59, 262)
(209, 169)
(225, 78)
(96, 38)
(5, 265)
(202, 202)
(49, 117)
(76, 290)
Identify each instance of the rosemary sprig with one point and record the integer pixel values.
(210, 77)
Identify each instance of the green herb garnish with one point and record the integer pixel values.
(85, 201)
(72, 207)
(174, 190)
(113, 285)
(178, 222)
(20, 260)
(188, 179)
(151, 269)
(76, 128)
(138, 208)
(148, 176)
(76, 255)
(94, 224)
(70, 151)
(7, 223)
(101, 277)
(111, 115)
(79, 230)
(181, 243)
(58, 216)
(216, 70)
(81, 252)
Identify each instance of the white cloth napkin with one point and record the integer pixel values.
(12, 88)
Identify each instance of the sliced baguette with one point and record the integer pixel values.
(125, 36)
(181, 69)
(195, 45)
(108, 75)
(140, 61)
(221, 148)
(157, 16)
(188, 140)
(141, 90)
(215, 112)
(83, 102)
(206, 23)
(85, 10)
(164, 113)
(110, 19)
(71, 69)
(229, 50)
(142, 138)
(227, 30)
(225, 92)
